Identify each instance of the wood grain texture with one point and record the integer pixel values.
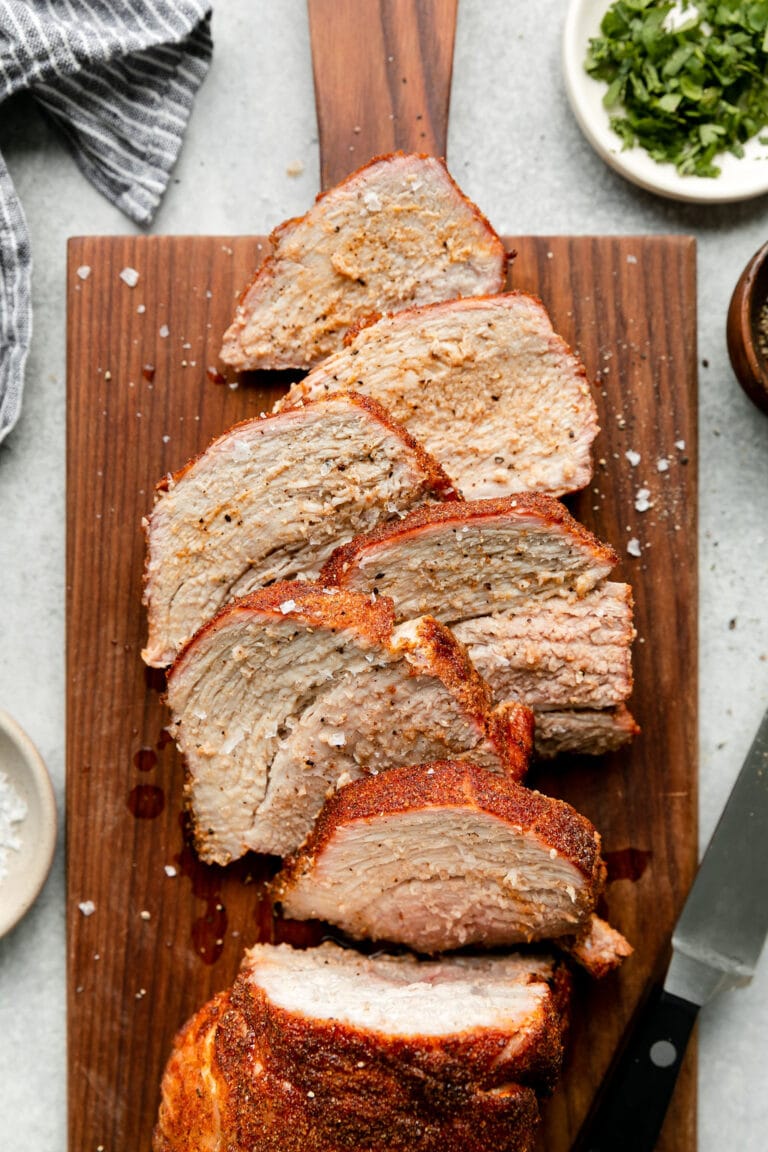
(382, 73)
(140, 404)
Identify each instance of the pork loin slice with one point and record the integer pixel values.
(559, 652)
(295, 690)
(598, 947)
(444, 855)
(270, 500)
(460, 561)
(335, 1018)
(485, 384)
(397, 232)
(583, 731)
(523, 585)
(221, 1090)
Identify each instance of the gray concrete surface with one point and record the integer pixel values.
(516, 150)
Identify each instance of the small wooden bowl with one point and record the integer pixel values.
(749, 296)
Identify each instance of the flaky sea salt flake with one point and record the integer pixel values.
(87, 907)
(633, 547)
(130, 277)
(84, 271)
(633, 457)
(642, 500)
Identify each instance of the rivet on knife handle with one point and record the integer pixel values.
(641, 1085)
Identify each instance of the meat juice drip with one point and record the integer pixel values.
(208, 930)
(148, 372)
(146, 801)
(164, 739)
(144, 760)
(154, 678)
(215, 376)
(626, 863)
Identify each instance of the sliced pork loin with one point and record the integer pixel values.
(396, 233)
(485, 384)
(524, 587)
(444, 855)
(459, 1024)
(295, 690)
(598, 947)
(583, 731)
(326, 1050)
(270, 500)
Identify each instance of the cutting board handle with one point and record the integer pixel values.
(382, 78)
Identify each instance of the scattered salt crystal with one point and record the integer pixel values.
(166, 439)
(633, 457)
(165, 332)
(84, 271)
(130, 277)
(13, 810)
(141, 309)
(87, 907)
(633, 547)
(662, 464)
(430, 771)
(145, 915)
(631, 259)
(186, 344)
(141, 993)
(680, 445)
(372, 201)
(287, 606)
(170, 870)
(642, 500)
(337, 739)
(311, 1095)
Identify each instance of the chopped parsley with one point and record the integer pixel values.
(685, 83)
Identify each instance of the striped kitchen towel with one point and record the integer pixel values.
(118, 77)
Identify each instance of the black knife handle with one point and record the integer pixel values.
(632, 1107)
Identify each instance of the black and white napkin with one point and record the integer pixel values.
(118, 77)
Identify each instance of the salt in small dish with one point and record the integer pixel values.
(28, 783)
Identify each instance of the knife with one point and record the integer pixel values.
(716, 944)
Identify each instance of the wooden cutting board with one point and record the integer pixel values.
(144, 394)
(140, 403)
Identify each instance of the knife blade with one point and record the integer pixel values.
(716, 945)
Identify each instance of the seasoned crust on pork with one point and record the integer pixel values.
(465, 1022)
(270, 500)
(484, 383)
(235, 1082)
(471, 559)
(444, 855)
(294, 690)
(396, 233)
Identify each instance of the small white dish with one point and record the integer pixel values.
(740, 178)
(27, 868)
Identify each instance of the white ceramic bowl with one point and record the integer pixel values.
(27, 868)
(740, 178)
